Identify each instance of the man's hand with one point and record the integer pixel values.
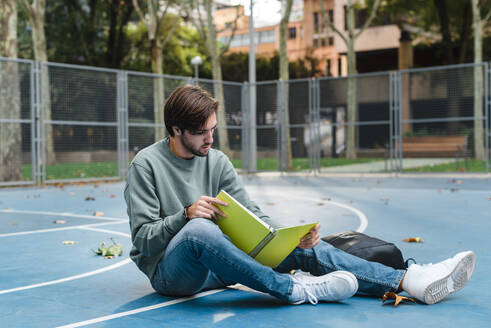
(311, 239)
(204, 208)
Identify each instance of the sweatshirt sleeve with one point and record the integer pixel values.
(231, 183)
(150, 233)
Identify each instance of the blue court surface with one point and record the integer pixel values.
(45, 282)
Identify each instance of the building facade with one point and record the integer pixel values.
(376, 48)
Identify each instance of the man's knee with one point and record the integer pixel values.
(201, 228)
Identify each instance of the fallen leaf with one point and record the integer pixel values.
(438, 190)
(89, 198)
(271, 204)
(13, 223)
(69, 242)
(37, 196)
(454, 189)
(456, 181)
(489, 198)
(98, 213)
(320, 204)
(414, 240)
(112, 195)
(109, 252)
(398, 298)
(59, 221)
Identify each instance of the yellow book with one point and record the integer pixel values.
(267, 245)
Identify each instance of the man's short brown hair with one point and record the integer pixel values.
(188, 107)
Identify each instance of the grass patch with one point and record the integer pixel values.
(299, 164)
(76, 170)
(474, 166)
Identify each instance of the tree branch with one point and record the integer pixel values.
(370, 19)
(174, 25)
(138, 10)
(485, 19)
(331, 24)
(29, 9)
(234, 29)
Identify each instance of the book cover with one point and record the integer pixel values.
(255, 237)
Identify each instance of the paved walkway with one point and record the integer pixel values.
(382, 166)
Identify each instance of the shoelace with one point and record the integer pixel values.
(308, 293)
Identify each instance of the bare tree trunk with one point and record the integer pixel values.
(158, 88)
(286, 145)
(349, 40)
(217, 76)
(352, 87)
(10, 133)
(352, 103)
(478, 83)
(35, 12)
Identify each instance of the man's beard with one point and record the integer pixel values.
(195, 151)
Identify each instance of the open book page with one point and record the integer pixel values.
(242, 226)
(283, 243)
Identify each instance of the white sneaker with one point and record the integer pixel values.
(430, 283)
(334, 286)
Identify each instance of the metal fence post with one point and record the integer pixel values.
(122, 127)
(245, 128)
(487, 112)
(279, 95)
(41, 128)
(36, 171)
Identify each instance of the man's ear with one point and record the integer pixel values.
(177, 130)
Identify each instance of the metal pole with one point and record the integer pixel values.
(487, 111)
(252, 95)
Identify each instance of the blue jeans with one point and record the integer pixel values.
(201, 257)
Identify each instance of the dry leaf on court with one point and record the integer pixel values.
(112, 195)
(398, 298)
(320, 204)
(59, 221)
(271, 204)
(414, 240)
(98, 213)
(69, 242)
(89, 198)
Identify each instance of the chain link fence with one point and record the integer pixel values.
(17, 122)
(66, 123)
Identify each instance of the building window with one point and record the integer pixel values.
(316, 22)
(323, 42)
(328, 68)
(331, 41)
(340, 67)
(316, 43)
(331, 15)
(292, 33)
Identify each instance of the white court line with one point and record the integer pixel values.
(139, 310)
(363, 219)
(20, 233)
(63, 214)
(52, 282)
(105, 231)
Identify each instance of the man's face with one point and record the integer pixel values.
(199, 142)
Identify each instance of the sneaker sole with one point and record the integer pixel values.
(455, 281)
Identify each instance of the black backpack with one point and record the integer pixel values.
(368, 248)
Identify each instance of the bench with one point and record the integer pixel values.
(435, 146)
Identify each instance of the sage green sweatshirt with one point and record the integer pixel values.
(160, 185)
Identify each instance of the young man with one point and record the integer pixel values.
(170, 192)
